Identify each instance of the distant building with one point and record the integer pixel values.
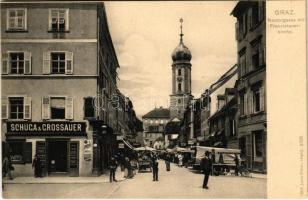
(251, 87)
(212, 100)
(223, 132)
(154, 123)
(172, 131)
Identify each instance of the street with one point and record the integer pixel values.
(178, 183)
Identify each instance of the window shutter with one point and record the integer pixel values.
(27, 108)
(27, 56)
(237, 31)
(45, 108)
(69, 62)
(250, 103)
(261, 10)
(245, 103)
(27, 152)
(5, 62)
(4, 107)
(69, 105)
(261, 58)
(244, 24)
(67, 20)
(46, 62)
(262, 98)
(249, 24)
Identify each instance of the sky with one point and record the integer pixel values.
(146, 33)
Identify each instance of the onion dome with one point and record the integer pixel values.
(181, 52)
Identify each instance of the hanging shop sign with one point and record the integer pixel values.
(46, 128)
(121, 145)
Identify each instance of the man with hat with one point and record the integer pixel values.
(206, 167)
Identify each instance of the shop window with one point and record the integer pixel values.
(17, 19)
(16, 107)
(58, 20)
(57, 107)
(20, 151)
(89, 110)
(258, 146)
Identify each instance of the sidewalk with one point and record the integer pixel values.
(62, 180)
(258, 175)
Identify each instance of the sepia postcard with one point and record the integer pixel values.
(153, 99)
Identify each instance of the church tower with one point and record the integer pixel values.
(181, 79)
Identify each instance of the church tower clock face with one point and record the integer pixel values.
(181, 78)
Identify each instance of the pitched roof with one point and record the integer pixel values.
(158, 113)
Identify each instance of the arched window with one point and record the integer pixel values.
(179, 87)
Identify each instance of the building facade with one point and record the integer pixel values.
(58, 83)
(181, 79)
(154, 123)
(223, 131)
(251, 43)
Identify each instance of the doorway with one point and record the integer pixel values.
(57, 156)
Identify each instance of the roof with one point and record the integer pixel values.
(239, 8)
(158, 113)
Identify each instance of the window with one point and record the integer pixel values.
(16, 62)
(258, 146)
(16, 107)
(242, 103)
(179, 72)
(89, 110)
(242, 61)
(258, 57)
(179, 87)
(57, 107)
(17, 19)
(153, 128)
(256, 101)
(58, 20)
(179, 101)
(58, 62)
(20, 151)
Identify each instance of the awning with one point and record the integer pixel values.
(127, 144)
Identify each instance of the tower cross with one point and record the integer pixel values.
(181, 35)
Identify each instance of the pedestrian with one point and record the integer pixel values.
(155, 168)
(237, 165)
(7, 167)
(112, 168)
(213, 157)
(37, 165)
(206, 165)
(180, 160)
(167, 162)
(128, 168)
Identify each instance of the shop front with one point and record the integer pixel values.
(59, 146)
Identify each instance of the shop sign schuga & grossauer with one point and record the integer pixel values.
(46, 128)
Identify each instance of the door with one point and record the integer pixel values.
(41, 152)
(74, 159)
(57, 156)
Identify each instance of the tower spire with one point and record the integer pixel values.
(181, 35)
